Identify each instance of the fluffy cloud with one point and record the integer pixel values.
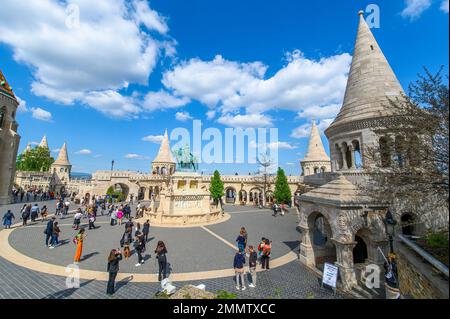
(113, 104)
(136, 156)
(317, 112)
(183, 116)
(445, 6)
(86, 48)
(415, 8)
(157, 139)
(246, 120)
(22, 108)
(228, 85)
(40, 114)
(84, 152)
(305, 129)
(162, 100)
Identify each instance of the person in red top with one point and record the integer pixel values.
(265, 248)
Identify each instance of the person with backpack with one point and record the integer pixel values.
(138, 247)
(146, 230)
(253, 257)
(115, 256)
(44, 213)
(161, 252)
(55, 235)
(79, 240)
(238, 265)
(7, 219)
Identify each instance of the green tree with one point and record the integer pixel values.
(35, 160)
(216, 189)
(282, 192)
(114, 194)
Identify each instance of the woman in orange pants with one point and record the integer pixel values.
(79, 241)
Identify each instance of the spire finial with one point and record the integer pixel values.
(361, 13)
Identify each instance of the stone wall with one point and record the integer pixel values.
(417, 277)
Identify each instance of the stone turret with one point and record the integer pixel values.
(164, 164)
(61, 167)
(9, 139)
(316, 160)
(366, 108)
(44, 142)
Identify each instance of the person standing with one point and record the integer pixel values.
(25, 214)
(161, 252)
(245, 234)
(146, 230)
(265, 254)
(49, 231)
(238, 265)
(138, 247)
(7, 219)
(91, 221)
(241, 241)
(55, 235)
(77, 219)
(78, 240)
(125, 242)
(115, 256)
(253, 257)
(44, 213)
(138, 228)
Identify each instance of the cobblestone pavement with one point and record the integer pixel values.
(190, 249)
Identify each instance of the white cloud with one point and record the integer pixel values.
(210, 114)
(34, 143)
(305, 129)
(415, 8)
(317, 112)
(290, 163)
(136, 156)
(40, 114)
(246, 120)
(301, 84)
(97, 156)
(84, 152)
(162, 100)
(272, 145)
(114, 44)
(157, 139)
(22, 108)
(113, 104)
(56, 150)
(445, 6)
(183, 116)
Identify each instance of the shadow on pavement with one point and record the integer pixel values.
(66, 292)
(85, 257)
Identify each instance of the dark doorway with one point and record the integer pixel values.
(407, 224)
(360, 251)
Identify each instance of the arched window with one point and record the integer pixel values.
(340, 161)
(385, 151)
(163, 171)
(357, 153)
(400, 150)
(2, 116)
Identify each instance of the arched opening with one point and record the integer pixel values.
(357, 153)
(150, 192)
(323, 247)
(407, 224)
(2, 116)
(255, 196)
(385, 151)
(158, 172)
(230, 195)
(269, 197)
(347, 153)
(316, 170)
(141, 193)
(242, 196)
(163, 171)
(400, 150)
(339, 157)
(118, 192)
(360, 251)
(156, 191)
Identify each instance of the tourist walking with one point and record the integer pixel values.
(78, 240)
(55, 235)
(77, 219)
(138, 228)
(119, 216)
(91, 221)
(125, 242)
(245, 234)
(49, 231)
(34, 212)
(161, 252)
(265, 248)
(146, 230)
(129, 224)
(241, 241)
(7, 219)
(138, 247)
(25, 214)
(253, 257)
(115, 256)
(44, 213)
(238, 265)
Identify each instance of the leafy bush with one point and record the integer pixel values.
(438, 239)
(222, 294)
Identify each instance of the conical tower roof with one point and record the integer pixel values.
(316, 151)
(164, 154)
(43, 142)
(371, 81)
(27, 149)
(5, 87)
(63, 158)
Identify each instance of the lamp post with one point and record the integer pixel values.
(390, 223)
(112, 165)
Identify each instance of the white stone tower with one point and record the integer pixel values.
(9, 139)
(61, 167)
(366, 108)
(164, 164)
(44, 143)
(316, 160)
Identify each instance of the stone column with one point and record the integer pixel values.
(146, 194)
(344, 158)
(352, 150)
(306, 249)
(345, 263)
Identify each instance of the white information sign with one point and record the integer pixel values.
(330, 273)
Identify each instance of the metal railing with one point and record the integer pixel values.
(433, 261)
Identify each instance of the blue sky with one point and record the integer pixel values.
(110, 82)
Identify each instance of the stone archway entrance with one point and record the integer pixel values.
(323, 248)
(141, 193)
(243, 197)
(230, 195)
(360, 254)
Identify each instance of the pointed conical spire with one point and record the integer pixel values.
(371, 81)
(63, 158)
(316, 151)
(27, 149)
(5, 87)
(164, 154)
(43, 142)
